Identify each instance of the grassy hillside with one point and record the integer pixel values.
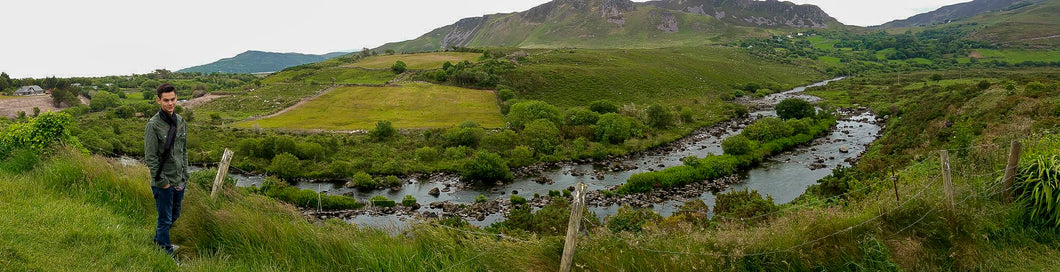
(415, 61)
(1036, 25)
(562, 24)
(406, 106)
(674, 76)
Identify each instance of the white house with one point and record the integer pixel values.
(29, 90)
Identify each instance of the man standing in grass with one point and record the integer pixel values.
(166, 154)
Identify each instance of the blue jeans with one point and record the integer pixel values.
(167, 201)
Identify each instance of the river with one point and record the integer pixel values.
(784, 176)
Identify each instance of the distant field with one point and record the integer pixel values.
(1019, 55)
(827, 59)
(262, 101)
(409, 106)
(2, 97)
(672, 76)
(415, 61)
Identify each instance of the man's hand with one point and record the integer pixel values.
(167, 187)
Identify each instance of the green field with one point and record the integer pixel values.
(1019, 55)
(415, 61)
(672, 76)
(409, 106)
(259, 102)
(2, 97)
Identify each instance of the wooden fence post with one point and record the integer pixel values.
(946, 178)
(894, 180)
(1010, 169)
(222, 171)
(573, 227)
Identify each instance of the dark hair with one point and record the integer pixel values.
(165, 88)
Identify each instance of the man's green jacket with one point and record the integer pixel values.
(175, 169)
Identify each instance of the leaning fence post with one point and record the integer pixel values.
(945, 156)
(1010, 169)
(573, 226)
(222, 171)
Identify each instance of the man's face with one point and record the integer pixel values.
(168, 101)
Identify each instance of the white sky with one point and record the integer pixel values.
(67, 38)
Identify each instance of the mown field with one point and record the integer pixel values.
(411, 105)
(415, 61)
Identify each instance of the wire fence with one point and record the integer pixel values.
(979, 180)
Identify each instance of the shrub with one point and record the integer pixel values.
(481, 199)
(800, 126)
(285, 165)
(603, 107)
(687, 116)
(631, 219)
(580, 116)
(736, 145)
(767, 129)
(383, 131)
(794, 108)
(125, 112)
(427, 154)
(148, 95)
(522, 155)
(517, 200)
(486, 166)
(505, 94)
(499, 142)
(523, 113)
(398, 67)
(381, 201)
(613, 128)
(983, 85)
(742, 205)
(408, 201)
(1037, 89)
(659, 117)
(541, 135)
(104, 100)
(1037, 187)
(390, 182)
(363, 180)
(463, 136)
(37, 134)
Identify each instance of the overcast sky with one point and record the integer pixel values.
(68, 38)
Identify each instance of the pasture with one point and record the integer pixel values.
(409, 106)
(415, 61)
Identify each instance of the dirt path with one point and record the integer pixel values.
(195, 102)
(322, 92)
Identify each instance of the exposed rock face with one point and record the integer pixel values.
(769, 13)
(463, 32)
(668, 23)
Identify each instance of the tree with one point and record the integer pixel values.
(104, 100)
(486, 166)
(613, 128)
(603, 106)
(541, 135)
(383, 131)
(398, 67)
(285, 165)
(148, 95)
(659, 117)
(523, 113)
(795, 108)
(736, 145)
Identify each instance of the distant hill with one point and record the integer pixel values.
(623, 24)
(1025, 24)
(258, 62)
(958, 11)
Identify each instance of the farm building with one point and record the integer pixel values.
(29, 90)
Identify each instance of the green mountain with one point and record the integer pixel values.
(958, 11)
(1035, 25)
(259, 62)
(623, 24)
